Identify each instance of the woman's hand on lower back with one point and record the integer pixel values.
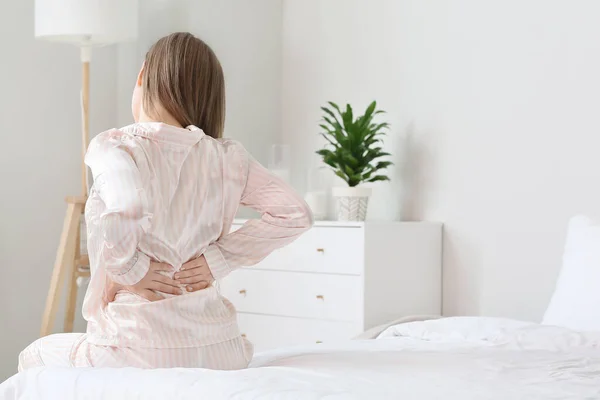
(195, 275)
(153, 282)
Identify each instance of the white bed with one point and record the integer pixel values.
(452, 358)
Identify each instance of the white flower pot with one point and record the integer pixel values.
(351, 202)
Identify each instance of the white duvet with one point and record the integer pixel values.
(450, 359)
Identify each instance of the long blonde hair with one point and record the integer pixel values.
(184, 76)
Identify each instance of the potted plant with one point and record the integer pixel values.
(354, 153)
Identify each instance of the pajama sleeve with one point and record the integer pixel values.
(284, 217)
(125, 220)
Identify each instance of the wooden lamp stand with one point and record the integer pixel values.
(85, 24)
(70, 263)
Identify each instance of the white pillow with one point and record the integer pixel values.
(575, 303)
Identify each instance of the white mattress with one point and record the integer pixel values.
(450, 359)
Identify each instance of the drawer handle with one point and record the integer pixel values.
(320, 297)
(243, 292)
(320, 250)
(318, 342)
(243, 335)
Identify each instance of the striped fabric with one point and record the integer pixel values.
(170, 194)
(73, 350)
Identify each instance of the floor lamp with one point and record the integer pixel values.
(86, 24)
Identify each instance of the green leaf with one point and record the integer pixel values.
(347, 119)
(326, 128)
(324, 152)
(370, 110)
(349, 159)
(331, 142)
(335, 106)
(383, 164)
(366, 119)
(379, 178)
(379, 127)
(341, 139)
(348, 171)
(336, 124)
(372, 155)
(341, 175)
(331, 163)
(370, 142)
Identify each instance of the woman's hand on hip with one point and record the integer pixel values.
(153, 282)
(195, 274)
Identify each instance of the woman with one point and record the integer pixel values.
(165, 193)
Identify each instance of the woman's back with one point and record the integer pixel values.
(193, 186)
(190, 186)
(165, 195)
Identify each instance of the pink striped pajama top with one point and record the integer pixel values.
(170, 194)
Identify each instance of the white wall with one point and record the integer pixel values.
(39, 164)
(494, 109)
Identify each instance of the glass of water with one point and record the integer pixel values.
(280, 161)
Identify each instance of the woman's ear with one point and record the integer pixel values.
(141, 75)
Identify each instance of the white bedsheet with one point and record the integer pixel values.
(450, 359)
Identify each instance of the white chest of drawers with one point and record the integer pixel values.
(338, 280)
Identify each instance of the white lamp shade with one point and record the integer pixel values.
(86, 22)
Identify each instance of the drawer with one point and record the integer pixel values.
(321, 249)
(295, 294)
(268, 332)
